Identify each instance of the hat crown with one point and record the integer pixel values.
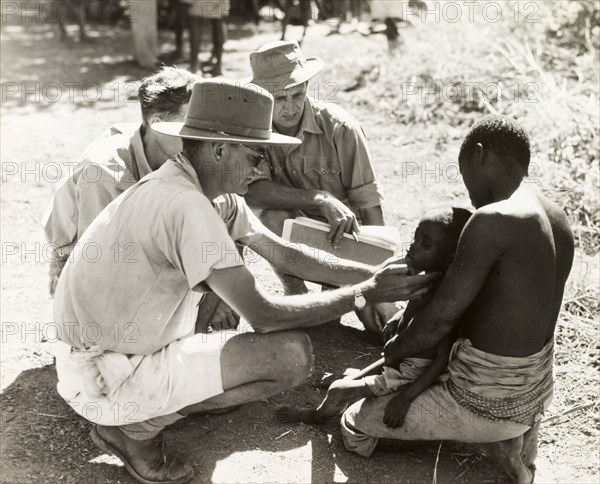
(228, 107)
(276, 59)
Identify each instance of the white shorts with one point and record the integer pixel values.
(141, 387)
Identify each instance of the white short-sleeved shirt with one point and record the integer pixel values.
(127, 285)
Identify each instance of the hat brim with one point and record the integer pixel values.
(311, 68)
(187, 132)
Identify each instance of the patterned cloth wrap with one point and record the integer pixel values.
(501, 388)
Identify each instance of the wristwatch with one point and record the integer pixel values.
(359, 300)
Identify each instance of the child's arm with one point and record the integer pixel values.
(398, 407)
(399, 321)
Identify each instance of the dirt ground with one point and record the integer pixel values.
(42, 440)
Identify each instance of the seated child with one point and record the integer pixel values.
(432, 250)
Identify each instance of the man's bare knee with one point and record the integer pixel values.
(296, 357)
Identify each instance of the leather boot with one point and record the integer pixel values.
(146, 460)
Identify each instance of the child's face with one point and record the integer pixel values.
(429, 249)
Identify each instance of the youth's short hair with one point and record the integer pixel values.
(500, 134)
(454, 220)
(165, 92)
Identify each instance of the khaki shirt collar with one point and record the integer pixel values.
(141, 163)
(309, 120)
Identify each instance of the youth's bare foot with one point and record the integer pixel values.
(290, 414)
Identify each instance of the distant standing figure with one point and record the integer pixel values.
(390, 12)
(145, 34)
(296, 12)
(64, 10)
(215, 11)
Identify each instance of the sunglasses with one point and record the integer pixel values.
(259, 157)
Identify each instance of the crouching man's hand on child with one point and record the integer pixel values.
(398, 407)
(394, 283)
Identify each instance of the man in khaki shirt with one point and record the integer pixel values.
(329, 176)
(129, 358)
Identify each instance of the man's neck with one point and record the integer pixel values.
(206, 178)
(155, 153)
(503, 190)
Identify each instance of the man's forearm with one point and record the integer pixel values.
(372, 215)
(266, 194)
(306, 310)
(311, 264)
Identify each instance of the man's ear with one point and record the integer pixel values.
(155, 118)
(217, 148)
(478, 154)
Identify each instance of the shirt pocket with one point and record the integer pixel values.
(322, 173)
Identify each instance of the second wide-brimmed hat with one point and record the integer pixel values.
(280, 65)
(229, 111)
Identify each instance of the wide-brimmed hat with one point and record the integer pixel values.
(225, 110)
(280, 65)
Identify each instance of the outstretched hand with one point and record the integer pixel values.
(394, 283)
(397, 408)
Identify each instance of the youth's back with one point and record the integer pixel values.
(516, 310)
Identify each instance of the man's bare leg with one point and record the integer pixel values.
(255, 366)
(218, 34)
(530, 447)
(61, 20)
(506, 454)
(81, 18)
(340, 394)
(195, 31)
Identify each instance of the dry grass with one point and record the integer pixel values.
(549, 82)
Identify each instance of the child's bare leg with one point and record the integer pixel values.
(340, 394)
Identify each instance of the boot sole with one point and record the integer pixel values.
(110, 449)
